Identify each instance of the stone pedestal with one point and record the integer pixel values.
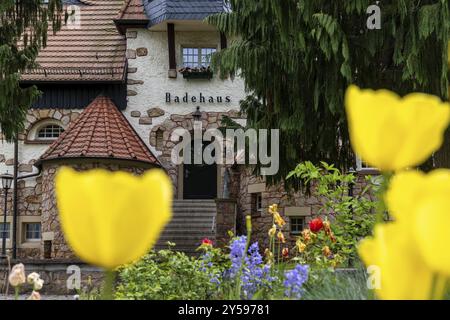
(226, 220)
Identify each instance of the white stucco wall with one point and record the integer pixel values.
(153, 71)
(29, 153)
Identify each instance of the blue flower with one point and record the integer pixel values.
(254, 276)
(294, 280)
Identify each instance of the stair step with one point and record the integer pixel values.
(188, 226)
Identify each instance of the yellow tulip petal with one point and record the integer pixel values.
(404, 274)
(423, 203)
(393, 133)
(110, 219)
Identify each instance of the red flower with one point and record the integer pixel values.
(207, 242)
(285, 252)
(316, 225)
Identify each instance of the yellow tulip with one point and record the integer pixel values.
(404, 275)
(393, 133)
(273, 209)
(422, 201)
(110, 219)
(272, 231)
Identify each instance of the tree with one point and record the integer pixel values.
(23, 32)
(297, 57)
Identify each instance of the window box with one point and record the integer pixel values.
(197, 73)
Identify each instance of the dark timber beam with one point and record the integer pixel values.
(172, 53)
(223, 41)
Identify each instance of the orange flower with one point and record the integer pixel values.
(279, 220)
(280, 237)
(300, 246)
(306, 234)
(326, 251)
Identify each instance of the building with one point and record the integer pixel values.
(113, 95)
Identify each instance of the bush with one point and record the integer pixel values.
(165, 275)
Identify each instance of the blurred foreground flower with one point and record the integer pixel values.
(34, 296)
(17, 275)
(404, 275)
(421, 202)
(111, 219)
(392, 133)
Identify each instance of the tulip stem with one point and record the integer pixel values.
(439, 287)
(108, 285)
(16, 293)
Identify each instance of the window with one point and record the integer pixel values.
(50, 132)
(197, 57)
(4, 230)
(256, 204)
(297, 224)
(32, 231)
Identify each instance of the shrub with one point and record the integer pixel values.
(165, 275)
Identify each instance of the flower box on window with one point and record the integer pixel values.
(196, 73)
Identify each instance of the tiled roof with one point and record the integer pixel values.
(101, 131)
(161, 10)
(94, 51)
(132, 10)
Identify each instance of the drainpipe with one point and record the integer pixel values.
(15, 193)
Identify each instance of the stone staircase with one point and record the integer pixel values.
(193, 220)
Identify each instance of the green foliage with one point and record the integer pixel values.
(23, 32)
(340, 285)
(297, 57)
(352, 217)
(165, 275)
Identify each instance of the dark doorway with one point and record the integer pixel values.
(199, 180)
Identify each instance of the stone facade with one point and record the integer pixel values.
(290, 204)
(29, 189)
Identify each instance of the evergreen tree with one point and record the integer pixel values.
(297, 58)
(23, 31)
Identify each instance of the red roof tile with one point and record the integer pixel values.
(101, 131)
(93, 52)
(132, 10)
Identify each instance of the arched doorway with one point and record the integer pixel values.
(199, 180)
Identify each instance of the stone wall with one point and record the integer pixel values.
(50, 220)
(289, 204)
(55, 275)
(30, 189)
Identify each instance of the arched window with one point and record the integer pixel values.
(45, 131)
(49, 132)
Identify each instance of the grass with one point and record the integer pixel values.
(342, 285)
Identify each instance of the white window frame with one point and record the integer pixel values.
(199, 56)
(25, 231)
(38, 137)
(33, 133)
(361, 167)
(291, 224)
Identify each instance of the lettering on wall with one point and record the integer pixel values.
(200, 98)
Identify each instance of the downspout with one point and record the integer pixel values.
(15, 194)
